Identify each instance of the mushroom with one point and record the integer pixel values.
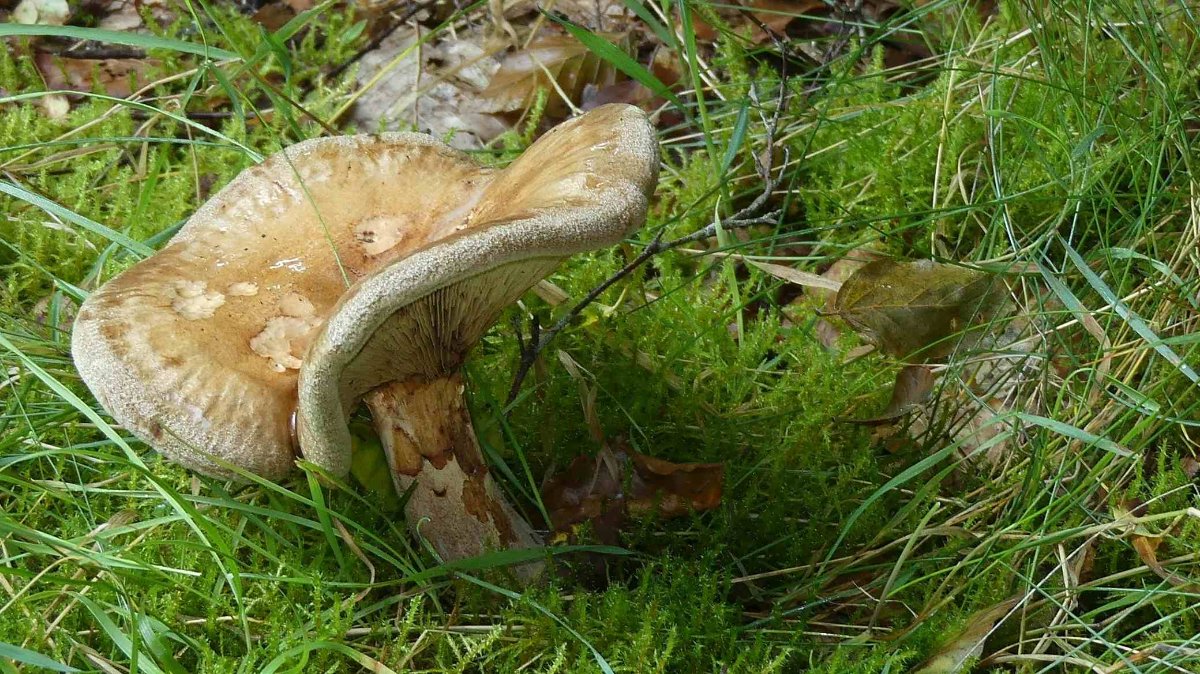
(344, 269)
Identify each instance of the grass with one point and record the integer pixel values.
(1054, 139)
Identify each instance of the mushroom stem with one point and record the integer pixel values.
(426, 430)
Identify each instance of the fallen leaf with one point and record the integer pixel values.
(968, 643)
(827, 334)
(559, 63)
(604, 489)
(429, 88)
(114, 77)
(274, 15)
(913, 386)
(597, 16)
(776, 15)
(1146, 544)
(914, 308)
(1190, 466)
(843, 268)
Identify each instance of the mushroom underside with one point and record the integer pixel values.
(404, 363)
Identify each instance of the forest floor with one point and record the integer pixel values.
(1028, 501)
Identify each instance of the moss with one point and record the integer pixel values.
(692, 359)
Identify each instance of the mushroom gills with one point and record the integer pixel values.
(408, 373)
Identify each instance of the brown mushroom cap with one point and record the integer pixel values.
(195, 349)
(583, 185)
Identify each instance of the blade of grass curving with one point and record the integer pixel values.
(136, 247)
(127, 38)
(331, 537)
(33, 658)
(1134, 321)
(618, 59)
(911, 473)
(1118, 253)
(139, 658)
(736, 140)
(1074, 433)
(660, 31)
(370, 664)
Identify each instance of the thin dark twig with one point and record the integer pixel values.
(750, 216)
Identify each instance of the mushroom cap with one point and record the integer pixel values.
(585, 184)
(195, 349)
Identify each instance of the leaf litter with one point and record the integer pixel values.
(618, 482)
(956, 333)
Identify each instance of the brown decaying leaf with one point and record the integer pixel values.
(429, 87)
(968, 644)
(833, 278)
(559, 63)
(1146, 545)
(605, 488)
(115, 77)
(913, 386)
(915, 308)
(665, 66)
(842, 269)
(776, 15)
(1190, 466)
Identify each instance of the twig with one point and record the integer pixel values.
(750, 216)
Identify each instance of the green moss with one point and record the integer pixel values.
(1005, 148)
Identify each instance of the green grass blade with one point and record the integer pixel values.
(618, 59)
(136, 247)
(1135, 321)
(660, 31)
(32, 658)
(127, 38)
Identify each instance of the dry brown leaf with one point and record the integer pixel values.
(1146, 545)
(431, 87)
(827, 333)
(274, 15)
(913, 386)
(967, 644)
(915, 308)
(598, 16)
(605, 488)
(114, 77)
(776, 15)
(1190, 466)
(559, 63)
(842, 269)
